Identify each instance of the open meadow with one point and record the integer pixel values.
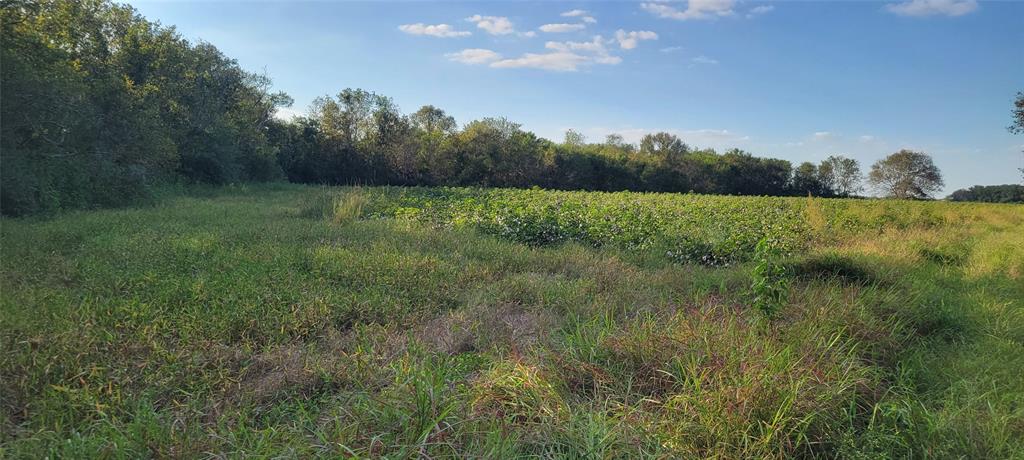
(295, 321)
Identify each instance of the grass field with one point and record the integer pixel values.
(292, 321)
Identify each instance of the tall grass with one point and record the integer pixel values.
(282, 321)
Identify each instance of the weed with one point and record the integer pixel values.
(770, 286)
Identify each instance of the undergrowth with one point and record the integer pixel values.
(296, 321)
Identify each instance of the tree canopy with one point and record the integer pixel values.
(906, 174)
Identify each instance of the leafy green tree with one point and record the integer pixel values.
(906, 174)
(664, 146)
(840, 175)
(574, 138)
(806, 181)
(431, 119)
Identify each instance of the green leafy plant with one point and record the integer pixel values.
(771, 286)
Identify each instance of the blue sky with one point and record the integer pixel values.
(792, 80)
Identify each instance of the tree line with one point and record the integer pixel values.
(99, 106)
(1009, 193)
(361, 137)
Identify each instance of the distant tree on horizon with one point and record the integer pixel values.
(574, 138)
(841, 175)
(907, 175)
(664, 146)
(806, 181)
(1008, 193)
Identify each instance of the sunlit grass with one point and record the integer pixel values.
(296, 321)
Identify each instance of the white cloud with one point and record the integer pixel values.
(822, 135)
(565, 56)
(704, 60)
(494, 25)
(759, 10)
(561, 28)
(596, 48)
(695, 9)
(629, 40)
(671, 49)
(528, 34)
(933, 7)
(439, 30)
(582, 14)
(474, 56)
(559, 61)
(867, 138)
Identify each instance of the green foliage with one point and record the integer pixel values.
(225, 321)
(359, 137)
(1009, 193)
(100, 105)
(907, 175)
(687, 228)
(348, 207)
(770, 287)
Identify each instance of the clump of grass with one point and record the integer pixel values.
(349, 206)
(519, 392)
(338, 207)
(814, 217)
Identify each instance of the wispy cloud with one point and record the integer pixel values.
(629, 40)
(561, 28)
(933, 7)
(439, 30)
(671, 49)
(695, 9)
(558, 61)
(494, 25)
(759, 10)
(582, 14)
(595, 48)
(564, 56)
(704, 60)
(474, 56)
(822, 136)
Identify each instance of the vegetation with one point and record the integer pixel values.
(418, 315)
(286, 320)
(361, 137)
(1009, 193)
(906, 174)
(100, 105)
(101, 108)
(841, 175)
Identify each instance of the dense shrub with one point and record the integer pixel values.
(100, 104)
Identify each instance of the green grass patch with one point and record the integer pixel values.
(285, 320)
